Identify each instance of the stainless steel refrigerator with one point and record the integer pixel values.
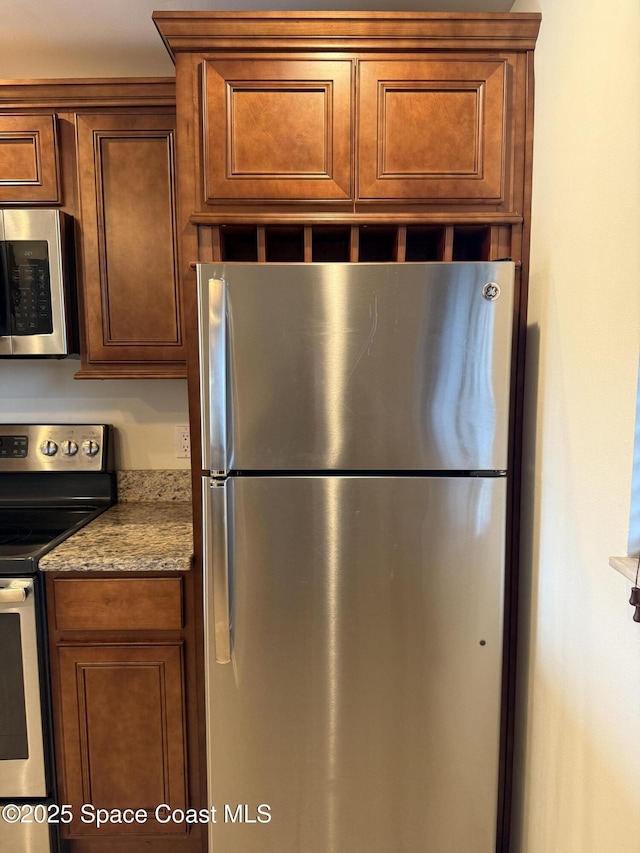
(355, 420)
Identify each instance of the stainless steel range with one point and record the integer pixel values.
(54, 479)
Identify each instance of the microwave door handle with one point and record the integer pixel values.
(5, 293)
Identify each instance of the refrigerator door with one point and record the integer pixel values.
(361, 707)
(356, 367)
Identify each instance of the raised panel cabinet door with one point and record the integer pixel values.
(129, 240)
(123, 738)
(28, 159)
(277, 130)
(433, 129)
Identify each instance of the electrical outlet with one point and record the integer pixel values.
(183, 442)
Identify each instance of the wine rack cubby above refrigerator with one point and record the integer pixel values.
(361, 243)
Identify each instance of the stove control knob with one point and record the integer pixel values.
(90, 447)
(48, 448)
(69, 448)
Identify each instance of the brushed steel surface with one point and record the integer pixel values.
(5, 338)
(362, 704)
(216, 561)
(212, 324)
(25, 777)
(351, 367)
(24, 837)
(41, 436)
(34, 224)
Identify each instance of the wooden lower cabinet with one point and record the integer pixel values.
(123, 733)
(120, 713)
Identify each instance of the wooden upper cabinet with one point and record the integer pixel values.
(430, 129)
(28, 159)
(129, 244)
(103, 150)
(354, 113)
(433, 129)
(277, 129)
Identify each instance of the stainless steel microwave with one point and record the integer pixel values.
(38, 312)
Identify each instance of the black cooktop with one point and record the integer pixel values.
(27, 533)
(24, 528)
(54, 479)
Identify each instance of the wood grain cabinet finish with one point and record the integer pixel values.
(129, 244)
(118, 604)
(432, 129)
(123, 739)
(28, 159)
(123, 702)
(277, 129)
(439, 114)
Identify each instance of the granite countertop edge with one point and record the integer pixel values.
(140, 536)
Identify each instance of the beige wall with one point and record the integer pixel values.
(144, 412)
(579, 753)
(51, 40)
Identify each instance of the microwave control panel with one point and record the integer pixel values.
(30, 287)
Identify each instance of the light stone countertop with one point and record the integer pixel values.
(152, 534)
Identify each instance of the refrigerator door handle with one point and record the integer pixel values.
(217, 611)
(212, 320)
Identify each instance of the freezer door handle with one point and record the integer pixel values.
(212, 319)
(217, 611)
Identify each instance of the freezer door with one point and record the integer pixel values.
(361, 707)
(356, 367)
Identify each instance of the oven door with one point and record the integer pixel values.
(22, 766)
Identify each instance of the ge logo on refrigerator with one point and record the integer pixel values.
(491, 291)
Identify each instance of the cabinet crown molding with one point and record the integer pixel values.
(208, 31)
(87, 92)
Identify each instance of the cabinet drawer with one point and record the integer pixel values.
(118, 604)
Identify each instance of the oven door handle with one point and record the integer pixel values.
(13, 596)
